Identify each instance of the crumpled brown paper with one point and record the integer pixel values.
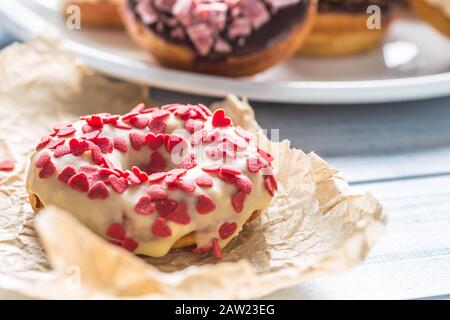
(315, 225)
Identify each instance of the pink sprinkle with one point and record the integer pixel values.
(129, 244)
(181, 215)
(156, 192)
(66, 132)
(67, 173)
(116, 231)
(204, 181)
(43, 160)
(205, 204)
(237, 200)
(137, 140)
(160, 228)
(78, 147)
(104, 143)
(79, 182)
(119, 184)
(227, 229)
(144, 206)
(48, 170)
(98, 191)
(121, 144)
(7, 165)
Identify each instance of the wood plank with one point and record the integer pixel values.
(412, 260)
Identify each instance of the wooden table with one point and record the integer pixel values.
(399, 152)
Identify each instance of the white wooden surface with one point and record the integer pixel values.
(399, 152)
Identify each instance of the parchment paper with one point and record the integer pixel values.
(315, 225)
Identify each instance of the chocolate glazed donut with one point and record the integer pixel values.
(224, 37)
(341, 28)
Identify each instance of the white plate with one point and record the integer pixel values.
(413, 63)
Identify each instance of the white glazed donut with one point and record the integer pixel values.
(147, 179)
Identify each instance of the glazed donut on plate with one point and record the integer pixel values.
(341, 28)
(155, 179)
(436, 12)
(223, 37)
(96, 13)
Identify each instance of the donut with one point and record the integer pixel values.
(341, 28)
(96, 13)
(436, 12)
(222, 37)
(155, 179)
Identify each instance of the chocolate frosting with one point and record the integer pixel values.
(279, 26)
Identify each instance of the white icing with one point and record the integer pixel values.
(98, 215)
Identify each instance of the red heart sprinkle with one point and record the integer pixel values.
(66, 132)
(205, 204)
(78, 147)
(157, 163)
(97, 155)
(144, 206)
(214, 168)
(237, 200)
(79, 182)
(181, 215)
(48, 170)
(129, 244)
(133, 179)
(267, 156)
(121, 144)
(271, 184)
(43, 143)
(227, 229)
(43, 160)
(186, 185)
(156, 177)
(156, 192)
(138, 108)
(157, 126)
(98, 191)
(160, 228)
(172, 142)
(61, 151)
(216, 249)
(60, 126)
(204, 181)
(95, 121)
(143, 177)
(116, 231)
(253, 165)
(137, 140)
(139, 122)
(119, 184)
(87, 129)
(104, 143)
(55, 143)
(244, 183)
(7, 165)
(220, 120)
(67, 173)
(91, 135)
(228, 168)
(165, 207)
(154, 141)
(160, 114)
(121, 125)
